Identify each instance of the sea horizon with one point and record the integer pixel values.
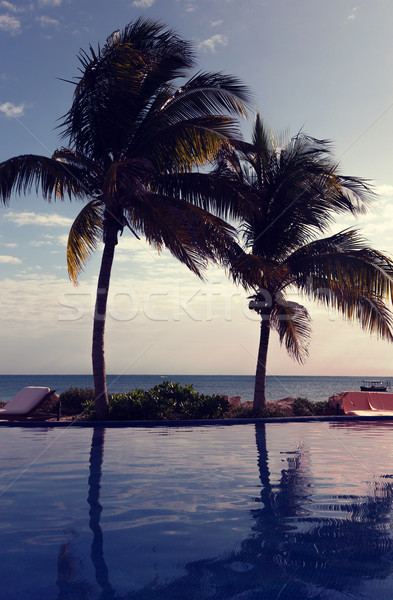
(314, 387)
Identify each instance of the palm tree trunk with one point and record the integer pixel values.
(260, 376)
(98, 355)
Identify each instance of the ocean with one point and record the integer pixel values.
(312, 387)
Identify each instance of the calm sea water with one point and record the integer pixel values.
(314, 388)
(289, 511)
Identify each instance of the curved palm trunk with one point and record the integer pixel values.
(98, 355)
(260, 376)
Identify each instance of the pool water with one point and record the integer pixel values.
(286, 511)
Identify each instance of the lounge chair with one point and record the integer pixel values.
(364, 404)
(27, 402)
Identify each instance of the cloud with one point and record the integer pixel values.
(11, 7)
(49, 2)
(216, 23)
(10, 23)
(47, 21)
(12, 110)
(384, 190)
(38, 243)
(143, 3)
(63, 239)
(352, 15)
(10, 260)
(216, 40)
(191, 8)
(30, 218)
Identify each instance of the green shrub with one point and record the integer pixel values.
(247, 412)
(139, 405)
(77, 400)
(319, 407)
(168, 400)
(303, 407)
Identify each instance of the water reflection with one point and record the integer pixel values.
(298, 547)
(370, 428)
(291, 552)
(73, 586)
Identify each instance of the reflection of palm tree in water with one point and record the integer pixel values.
(70, 586)
(292, 553)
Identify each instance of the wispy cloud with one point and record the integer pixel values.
(191, 8)
(39, 243)
(30, 218)
(216, 40)
(12, 110)
(10, 23)
(143, 3)
(352, 14)
(216, 23)
(49, 2)
(12, 7)
(10, 260)
(47, 21)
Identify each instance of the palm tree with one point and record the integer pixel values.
(299, 189)
(135, 142)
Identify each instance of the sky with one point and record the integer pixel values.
(325, 68)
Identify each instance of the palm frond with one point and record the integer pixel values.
(154, 39)
(102, 111)
(300, 190)
(126, 178)
(252, 271)
(361, 305)
(85, 234)
(118, 85)
(211, 191)
(186, 144)
(342, 260)
(262, 140)
(26, 173)
(293, 324)
(191, 234)
(209, 94)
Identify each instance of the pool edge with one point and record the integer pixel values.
(194, 422)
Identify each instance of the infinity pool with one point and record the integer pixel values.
(286, 511)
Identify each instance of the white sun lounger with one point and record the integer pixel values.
(26, 402)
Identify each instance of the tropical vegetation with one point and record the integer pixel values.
(169, 400)
(299, 190)
(137, 142)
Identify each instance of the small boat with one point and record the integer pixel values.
(374, 386)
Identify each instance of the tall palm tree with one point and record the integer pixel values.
(299, 190)
(135, 141)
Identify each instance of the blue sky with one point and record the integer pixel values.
(323, 67)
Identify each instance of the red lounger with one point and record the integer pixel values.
(366, 403)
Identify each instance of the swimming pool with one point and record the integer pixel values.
(283, 511)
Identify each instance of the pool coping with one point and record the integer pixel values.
(197, 422)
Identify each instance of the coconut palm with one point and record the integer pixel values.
(135, 141)
(299, 190)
